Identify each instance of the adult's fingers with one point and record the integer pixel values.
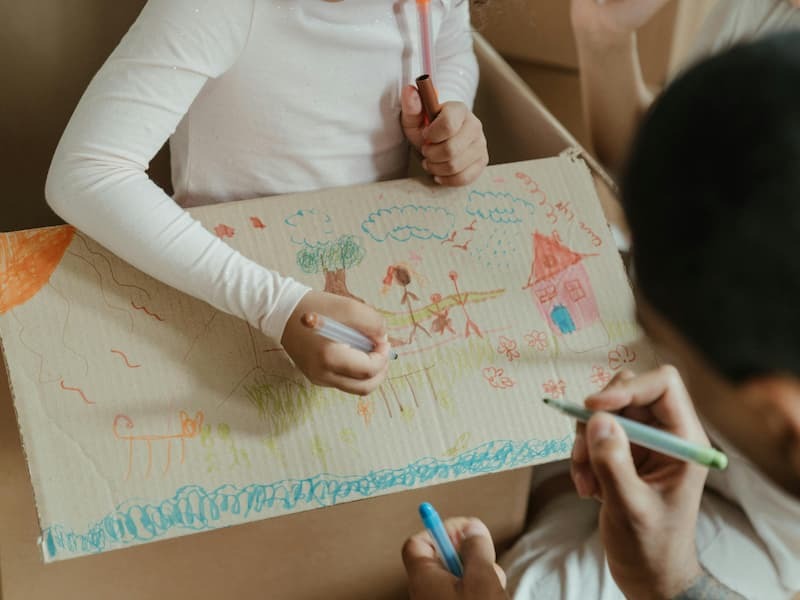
(662, 391)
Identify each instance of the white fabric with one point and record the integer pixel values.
(262, 97)
(748, 533)
(733, 21)
(748, 537)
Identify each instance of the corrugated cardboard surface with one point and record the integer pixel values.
(540, 31)
(148, 415)
(274, 557)
(348, 552)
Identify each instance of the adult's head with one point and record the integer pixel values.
(712, 196)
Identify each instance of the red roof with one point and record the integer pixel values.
(550, 257)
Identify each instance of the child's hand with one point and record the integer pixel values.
(335, 365)
(453, 146)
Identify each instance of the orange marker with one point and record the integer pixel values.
(426, 43)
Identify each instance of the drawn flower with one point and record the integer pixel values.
(508, 347)
(554, 389)
(497, 378)
(224, 231)
(436, 298)
(257, 223)
(453, 275)
(537, 339)
(600, 377)
(620, 356)
(365, 409)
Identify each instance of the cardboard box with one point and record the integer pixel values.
(540, 31)
(351, 549)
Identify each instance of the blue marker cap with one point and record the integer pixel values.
(444, 547)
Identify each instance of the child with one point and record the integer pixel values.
(711, 195)
(257, 98)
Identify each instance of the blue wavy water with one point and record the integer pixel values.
(194, 508)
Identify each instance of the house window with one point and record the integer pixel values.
(575, 290)
(546, 293)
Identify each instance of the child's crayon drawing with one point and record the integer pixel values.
(490, 295)
(190, 428)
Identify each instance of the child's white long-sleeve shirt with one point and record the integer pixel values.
(259, 97)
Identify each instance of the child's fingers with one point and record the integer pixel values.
(447, 124)
(472, 154)
(351, 363)
(411, 105)
(359, 387)
(466, 176)
(451, 148)
(362, 318)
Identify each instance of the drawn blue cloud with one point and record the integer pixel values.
(312, 228)
(499, 207)
(403, 223)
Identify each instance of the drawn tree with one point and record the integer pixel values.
(333, 259)
(323, 252)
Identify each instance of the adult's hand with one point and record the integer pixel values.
(649, 501)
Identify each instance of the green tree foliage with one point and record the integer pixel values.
(344, 253)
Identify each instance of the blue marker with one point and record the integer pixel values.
(444, 547)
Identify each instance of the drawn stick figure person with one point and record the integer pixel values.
(401, 275)
(462, 301)
(442, 322)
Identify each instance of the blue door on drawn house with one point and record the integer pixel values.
(562, 319)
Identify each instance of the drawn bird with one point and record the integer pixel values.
(451, 239)
(414, 257)
(471, 226)
(462, 246)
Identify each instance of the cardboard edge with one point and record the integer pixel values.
(25, 454)
(487, 54)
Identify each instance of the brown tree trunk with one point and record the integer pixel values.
(336, 283)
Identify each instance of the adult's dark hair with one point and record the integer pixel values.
(712, 195)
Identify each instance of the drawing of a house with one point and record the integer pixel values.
(561, 288)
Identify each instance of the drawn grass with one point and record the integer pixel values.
(282, 402)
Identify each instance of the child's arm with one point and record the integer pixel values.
(453, 146)
(98, 182)
(456, 64)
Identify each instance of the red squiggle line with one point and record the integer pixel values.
(74, 389)
(152, 314)
(125, 358)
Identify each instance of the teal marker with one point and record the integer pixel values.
(444, 547)
(652, 438)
